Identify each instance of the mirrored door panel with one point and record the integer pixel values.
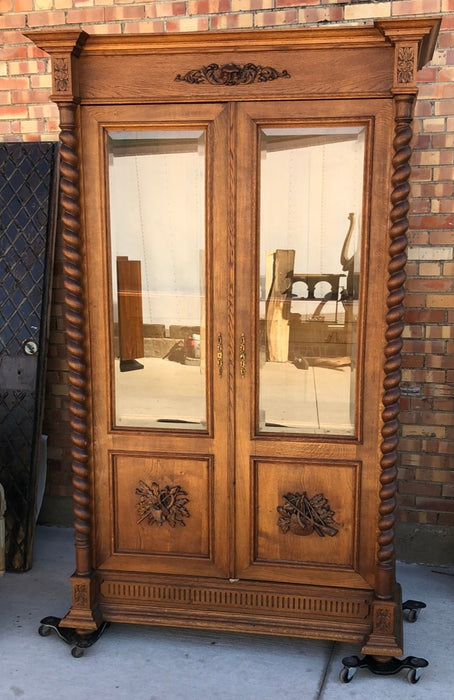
(157, 224)
(311, 212)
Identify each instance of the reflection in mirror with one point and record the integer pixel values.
(157, 225)
(311, 199)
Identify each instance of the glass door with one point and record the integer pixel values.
(305, 445)
(311, 183)
(157, 182)
(156, 252)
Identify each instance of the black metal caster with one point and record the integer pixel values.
(78, 642)
(412, 608)
(383, 668)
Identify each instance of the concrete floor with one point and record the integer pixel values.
(131, 662)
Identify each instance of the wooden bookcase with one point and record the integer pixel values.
(242, 475)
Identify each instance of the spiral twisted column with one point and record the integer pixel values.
(394, 328)
(75, 336)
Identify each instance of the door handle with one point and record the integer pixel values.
(220, 354)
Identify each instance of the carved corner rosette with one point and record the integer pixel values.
(405, 65)
(232, 74)
(304, 516)
(62, 74)
(157, 506)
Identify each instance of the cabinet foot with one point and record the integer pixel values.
(390, 667)
(79, 642)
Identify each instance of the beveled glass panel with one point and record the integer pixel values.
(311, 200)
(157, 224)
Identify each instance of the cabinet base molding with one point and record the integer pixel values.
(303, 611)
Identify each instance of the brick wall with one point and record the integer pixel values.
(426, 470)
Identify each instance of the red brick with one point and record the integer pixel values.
(276, 19)
(445, 41)
(443, 174)
(443, 140)
(410, 445)
(14, 53)
(312, 15)
(429, 269)
(440, 361)
(439, 391)
(420, 489)
(11, 112)
(46, 19)
(442, 476)
(206, 7)
(15, 83)
(424, 346)
(413, 331)
(30, 96)
(415, 300)
(188, 24)
(427, 284)
(405, 474)
(432, 377)
(13, 21)
(23, 5)
(441, 237)
(437, 504)
(418, 237)
(445, 519)
(424, 316)
(420, 174)
(422, 109)
(85, 16)
(412, 361)
(115, 14)
(242, 20)
(404, 499)
(166, 9)
(250, 5)
(432, 222)
(420, 206)
(439, 332)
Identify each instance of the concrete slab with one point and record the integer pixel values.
(146, 663)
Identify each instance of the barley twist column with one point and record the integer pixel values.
(75, 322)
(393, 359)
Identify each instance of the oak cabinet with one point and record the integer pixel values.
(234, 219)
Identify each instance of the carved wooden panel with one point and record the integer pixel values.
(162, 505)
(299, 497)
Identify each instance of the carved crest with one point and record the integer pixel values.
(232, 74)
(303, 515)
(405, 64)
(61, 74)
(157, 506)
